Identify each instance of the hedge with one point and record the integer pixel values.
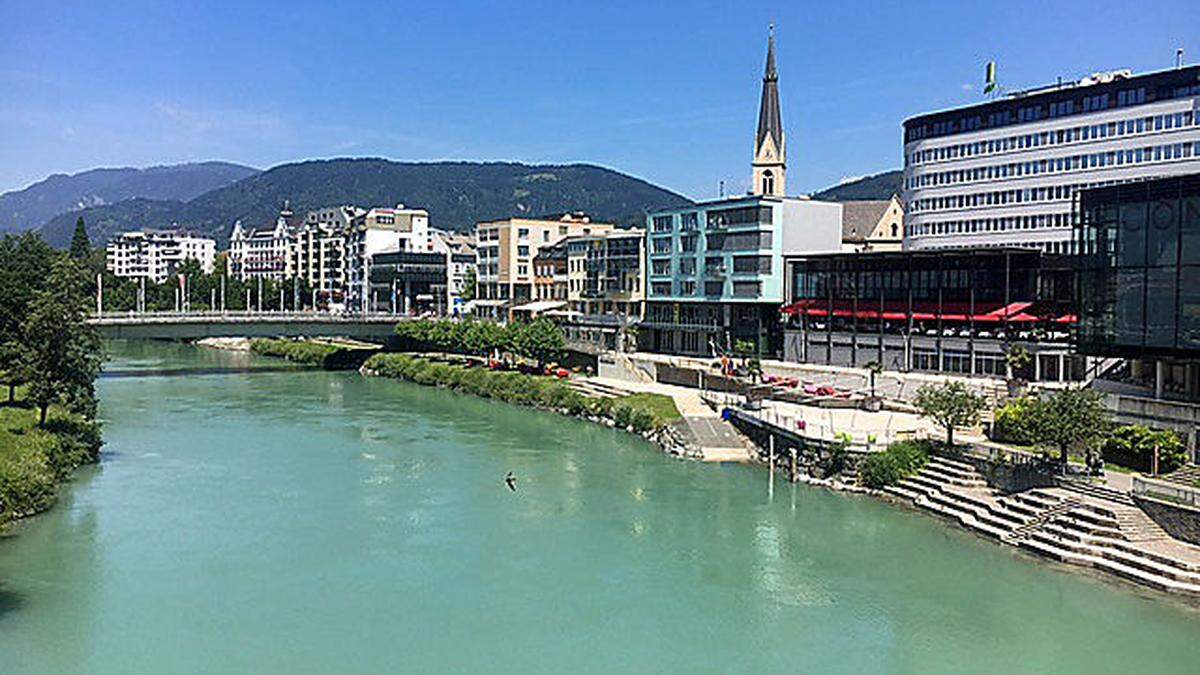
(539, 340)
(641, 412)
(899, 460)
(320, 354)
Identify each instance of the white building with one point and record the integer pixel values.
(263, 253)
(157, 254)
(381, 230)
(1005, 172)
(319, 250)
(459, 250)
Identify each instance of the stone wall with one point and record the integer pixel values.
(1181, 522)
(1010, 476)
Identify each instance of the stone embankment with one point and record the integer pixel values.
(1071, 523)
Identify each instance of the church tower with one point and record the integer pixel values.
(770, 147)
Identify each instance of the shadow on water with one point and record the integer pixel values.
(10, 601)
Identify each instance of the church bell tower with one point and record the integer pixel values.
(770, 145)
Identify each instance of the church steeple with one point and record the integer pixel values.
(770, 146)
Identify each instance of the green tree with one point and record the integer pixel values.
(62, 352)
(1071, 418)
(949, 405)
(540, 340)
(469, 284)
(25, 263)
(81, 246)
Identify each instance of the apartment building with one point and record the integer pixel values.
(459, 250)
(505, 251)
(319, 250)
(264, 252)
(1007, 172)
(157, 254)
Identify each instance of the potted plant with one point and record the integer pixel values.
(1017, 358)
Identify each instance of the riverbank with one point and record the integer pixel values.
(35, 461)
(647, 415)
(327, 354)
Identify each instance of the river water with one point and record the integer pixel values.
(312, 522)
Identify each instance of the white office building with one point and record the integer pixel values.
(157, 254)
(1006, 172)
(264, 252)
(381, 230)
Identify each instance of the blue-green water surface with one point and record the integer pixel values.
(312, 522)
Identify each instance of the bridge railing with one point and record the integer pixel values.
(242, 315)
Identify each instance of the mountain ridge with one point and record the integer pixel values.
(457, 194)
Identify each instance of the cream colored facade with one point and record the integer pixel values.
(505, 251)
(873, 225)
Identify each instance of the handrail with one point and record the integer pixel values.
(1174, 492)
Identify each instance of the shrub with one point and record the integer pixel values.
(1133, 446)
(1014, 422)
(899, 460)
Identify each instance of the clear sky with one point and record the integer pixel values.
(664, 91)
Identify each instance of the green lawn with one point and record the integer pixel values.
(661, 406)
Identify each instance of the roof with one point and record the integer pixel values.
(770, 121)
(860, 218)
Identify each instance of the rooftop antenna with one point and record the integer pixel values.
(1178, 58)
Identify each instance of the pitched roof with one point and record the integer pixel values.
(769, 119)
(860, 218)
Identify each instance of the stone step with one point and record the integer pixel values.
(902, 492)
(952, 479)
(963, 516)
(953, 463)
(1071, 521)
(1130, 567)
(1098, 491)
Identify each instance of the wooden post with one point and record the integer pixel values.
(1154, 464)
(794, 465)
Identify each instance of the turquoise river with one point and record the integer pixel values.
(295, 521)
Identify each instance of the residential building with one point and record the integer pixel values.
(460, 266)
(505, 250)
(550, 273)
(873, 225)
(319, 250)
(377, 231)
(1006, 172)
(265, 252)
(715, 274)
(948, 311)
(157, 254)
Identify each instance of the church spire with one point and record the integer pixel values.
(770, 151)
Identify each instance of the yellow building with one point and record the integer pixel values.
(505, 249)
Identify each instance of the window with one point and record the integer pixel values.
(746, 289)
(768, 183)
(662, 223)
(661, 267)
(523, 233)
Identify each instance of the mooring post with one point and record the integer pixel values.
(771, 465)
(793, 465)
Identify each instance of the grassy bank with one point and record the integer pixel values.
(327, 355)
(35, 461)
(640, 412)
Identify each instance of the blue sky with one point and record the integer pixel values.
(664, 91)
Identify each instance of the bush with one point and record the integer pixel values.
(899, 460)
(1014, 422)
(33, 460)
(641, 412)
(539, 340)
(1133, 446)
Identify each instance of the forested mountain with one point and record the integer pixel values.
(880, 186)
(35, 205)
(456, 194)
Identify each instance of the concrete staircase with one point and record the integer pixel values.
(1075, 524)
(594, 389)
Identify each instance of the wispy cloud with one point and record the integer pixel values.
(967, 87)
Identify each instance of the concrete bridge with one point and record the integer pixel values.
(375, 327)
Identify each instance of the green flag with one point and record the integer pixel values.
(989, 78)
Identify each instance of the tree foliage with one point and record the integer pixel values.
(949, 405)
(62, 352)
(1071, 419)
(541, 340)
(81, 246)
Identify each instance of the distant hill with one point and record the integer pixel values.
(35, 205)
(880, 186)
(456, 194)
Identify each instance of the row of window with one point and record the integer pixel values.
(746, 264)
(1065, 104)
(689, 288)
(1051, 138)
(1033, 195)
(1095, 160)
(737, 241)
(1005, 224)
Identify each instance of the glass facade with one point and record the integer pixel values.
(1139, 275)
